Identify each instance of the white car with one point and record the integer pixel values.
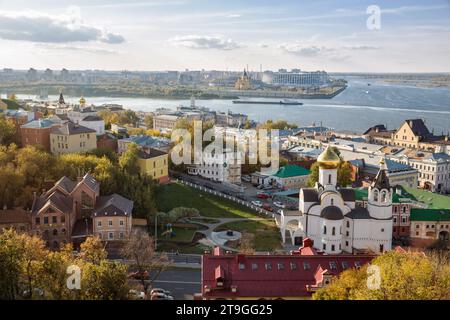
(160, 296)
(279, 204)
(138, 295)
(257, 203)
(159, 290)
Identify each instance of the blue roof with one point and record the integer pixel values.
(41, 123)
(440, 156)
(396, 166)
(149, 141)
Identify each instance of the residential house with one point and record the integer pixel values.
(17, 219)
(429, 225)
(37, 133)
(291, 176)
(165, 122)
(145, 142)
(72, 138)
(154, 163)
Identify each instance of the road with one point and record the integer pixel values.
(182, 283)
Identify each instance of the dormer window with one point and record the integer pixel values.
(306, 266)
(241, 266)
(280, 266)
(254, 267)
(293, 266)
(333, 265)
(268, 266)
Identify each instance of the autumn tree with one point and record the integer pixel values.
(7, 131)
(140, 248)
(403, 276)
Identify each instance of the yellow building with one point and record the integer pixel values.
(243, 82)
(155, 163)
(72, 138)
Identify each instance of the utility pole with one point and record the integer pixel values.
(156, 230)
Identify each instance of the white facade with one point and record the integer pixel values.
(222, 167)
(328, 215)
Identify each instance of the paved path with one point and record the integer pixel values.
(212, 226)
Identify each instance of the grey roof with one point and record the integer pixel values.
(56, 199)
(381, 180)
(150, 153)
(113, 205)
(440, 156)
(66, 184)
(347, 194)
(332, 213)
(310, 195)
(71, 128)
(40, 123)
(358, 213)
(418, 127)
(92, 118)
(91, 182)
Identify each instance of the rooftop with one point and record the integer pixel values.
(71, 128)
(292, 170)
(430, 214)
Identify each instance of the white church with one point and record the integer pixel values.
(328, 215)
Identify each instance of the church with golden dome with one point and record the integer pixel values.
(329, 216)
(244, 82)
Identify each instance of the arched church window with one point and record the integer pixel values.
(329, 178)
(324, 229)
(333, 231)
(383, 196)
(375, 195)
(348, 224)
(332, 202)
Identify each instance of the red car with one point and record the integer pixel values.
(267, 207)
(139, 275)
(262, 195)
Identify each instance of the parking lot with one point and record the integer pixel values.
(261, 198)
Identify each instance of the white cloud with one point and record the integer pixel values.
(40, 27)
(65, 47)
(204, 42)
(235, 15)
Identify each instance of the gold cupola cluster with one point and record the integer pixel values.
(329, 159)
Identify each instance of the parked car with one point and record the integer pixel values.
(262, 195)
(279, 204)
(159, 290)
(257, 203)
(137, 295)
(267, 207)
(267, 188)
(280, 211)
(139, 275)
(160, 296)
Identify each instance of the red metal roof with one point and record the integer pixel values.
(272, 275)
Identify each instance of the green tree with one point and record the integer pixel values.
(128, 161)
(148, 120)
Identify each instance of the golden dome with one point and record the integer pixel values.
(328, 159)
(82, 100)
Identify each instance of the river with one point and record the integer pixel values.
(359, 107)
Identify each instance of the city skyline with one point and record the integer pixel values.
(196, 34)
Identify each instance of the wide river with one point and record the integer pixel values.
(357, 108)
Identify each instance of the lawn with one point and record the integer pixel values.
(267, 236)
(181, 234)
(178, 195)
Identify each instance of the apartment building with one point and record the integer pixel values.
(72, 138)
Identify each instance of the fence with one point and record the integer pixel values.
(225, 196)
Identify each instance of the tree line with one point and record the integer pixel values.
(24, 171)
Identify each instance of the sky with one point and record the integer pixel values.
(336, 36)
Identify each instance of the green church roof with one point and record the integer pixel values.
(291, 170)
(430, 214)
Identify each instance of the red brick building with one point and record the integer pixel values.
(37, 133)
(294, 276)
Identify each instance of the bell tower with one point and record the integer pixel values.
(380, 194)
(328, 164)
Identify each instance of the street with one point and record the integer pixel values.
(181, 282)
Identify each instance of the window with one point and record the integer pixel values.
(293, 266)
(63, 219)
(121, 235)
(324, 229)
(121, 223)
(55, 232)
(268, 266)
(241, 266)
(38, 221)
(111, 235)
(99, 223)
(324, 246)
(332, 247)
(280, 266)
(45, 220)
(110, 223)
(254, 266)
(346, 243)
(54, 219)
(306, 265)
(357, 264)
(329, 178)
(333, 265)
(333, 231)
(348, 224)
